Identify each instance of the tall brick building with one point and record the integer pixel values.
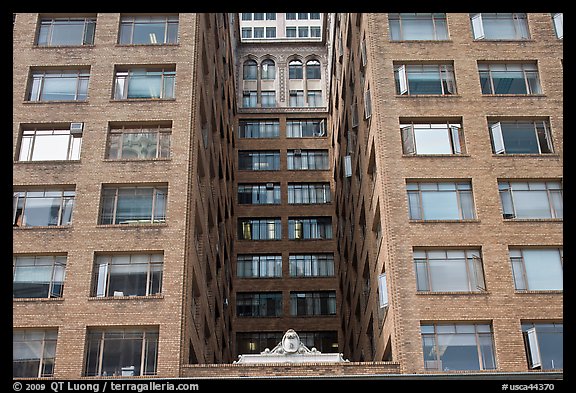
(187, 187)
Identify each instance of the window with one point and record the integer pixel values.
(270, 32)
(125, 352)
(309, 128)
(449, 270)
(268, 99)
(250, 70)
(49, 143)
(33, 353)
(259, 266)
(308, 193)
(133, 205)
(268, 70)
(502, 26)
(309, 228)
(303, 31)
(296, 98)
(520, 137)
(258, 32)
(290, 32)
(270, 16)
(313, 69)
(259, 229)
(290, 16)
(315, 32)
(311, 265)
(417, 79)
(314, 97)
(295, 69)
(323, 341)
(246, 16)
(258, 16)
(256, 342)
(246, 32)
(128, 275)
(382, 290)
(263, 304)
(509, 78)
(259, 194)
(299, 159)
(48, 207)
(38, 276)
(558, 20)
(544, 345)
(458, 346)
(142, 142)
(260, 160)
(431, 138)
(440, 201)
(421, 26)
(148, 30)
(249, 98)
(312, 303)
(66, 31)
(58, 85)
(537, 269)
(145, 83)
(531, 199)
(269, 128)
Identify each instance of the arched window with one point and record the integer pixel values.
(295, 69)
(250, 70)
(313, 69)
(268, 69)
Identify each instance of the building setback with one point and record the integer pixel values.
(188, 187)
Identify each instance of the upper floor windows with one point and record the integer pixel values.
(432, 138)
(500, 26)
(415, 79)
(308, 159)
(537, 269)
(133, 205)
(313, 69)
(531, 199)
(66, 31)
(259, 194)
(440, 200)
(139, 142)
(33, 353)
(50, 143)
(509, 78)
(259, 229)
(521, 137)
(148, 30)
(144, 83)
(269, 128)
(305, 128)
(47, 207)
(259, 160)
(418, 26)
(58, 85)
(39, 276)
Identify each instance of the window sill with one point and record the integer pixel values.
(498, 41)
(413, 96)
(147, 45)
(63, 46)
(32, 227)
(434, 155)
(27, 102)
(37, 299)
(540, 292)
(133, 297)
(443, 221)
(533, 219)
(134, 225)
(46, 162)
(143, 100)
(457, 293)
(136, 159)
(515, 95)
(523, 155)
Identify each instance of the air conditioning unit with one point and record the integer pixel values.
(269, 186)
(76, 129)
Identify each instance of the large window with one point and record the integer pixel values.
(33, 353)
(145, 83)
(259, 265)
(58, 85)
(122, 352)
(323, 341)
(308, 193)
(128, 275)
(66, 31)
(133, 205)
(256, 342)
(259, 229)
(520, 137)
(449, 270)
(531, 199)
(259, 304)
(47, 207)
(142, 142)
(49, 143)
(440, 201)
(310, 228)
(502, 26)
(311, 265)
(38, 276)
(432, 138)
(268, 69)
(420, 26)
(458, 346)
(299, 159)
(259, 128)
(259, 194)
(544, 345)
(509, 78)
(148, 30)
(296, 128)
(260, 160)
(312, 303)
(537, 269)
(417, 79)
(250, 70)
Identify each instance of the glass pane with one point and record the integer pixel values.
(499, 26)
(440, 205)
(458, 352)
(432, 141)
(509, 82)
(67, 33)
(139, 145)
(149, 33)
(417, 27)
(59, 88)
(448, 275)
(520, 137)
(550, 342)
(49, 146)
(531, 204)
(424, 79)
(543, 269)
(144, 85)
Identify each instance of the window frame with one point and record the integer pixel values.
(311, 265)
(157, 191)
(161, 132)
(415, 187)
(88, 31)
(446, 78)
(317, 228)
(400, 19)
(529, 68)
(308, 159)
(30, 136)
(259, 265)
(252, 229)
(123, 76)
(520, 273)
(532, 342)
(67, 196)
(542, 133)
(38, 78)
(519, 20)
(312, 303)
(258, 303)
(259, 193)
(259, 128)
(454, 132)
(508, 204)
(58, 268)
(259, 159)
(309, 193)
(48, 345)
(130, 21)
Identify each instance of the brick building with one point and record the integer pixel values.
(187, 187)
